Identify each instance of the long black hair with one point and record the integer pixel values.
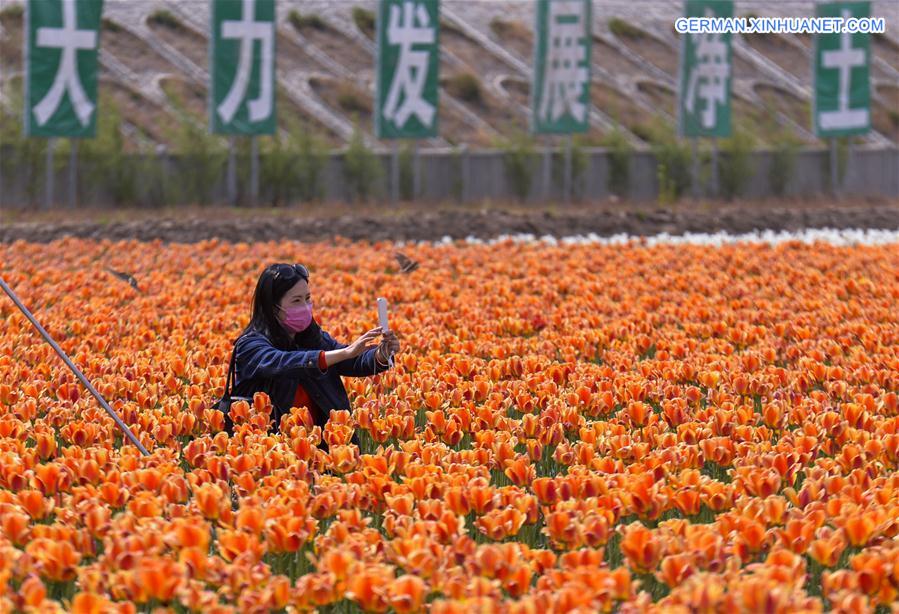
(273, 284)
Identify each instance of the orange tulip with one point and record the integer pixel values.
(859, 529)
(406, 594)
(752, 536)
(288, 534)
(520, 471)
(89, 603)
(113, 495)
(480, 498)
(501, 523)
(209, 498)
(871, 572)
(15, 527)
(50, 478)
(797, 535)
(160, 578)
(545, 489)
(34, 503)
(595, 530)
(145, 505)
(194, 560)
(675, 568)
(239, 544)
(190, 533)
(402, 504)
(760, 483)
(344, 458)
(718, 497)
(250, 519)
(369, 589)
(581, 558)
(561, 527)
(642, 550)
(57, 560)
(45, 444)
(33, 592)
(688, 502)
(457, 501)
(96, 520)
(827, 549)
(639, 412)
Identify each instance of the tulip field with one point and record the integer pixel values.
(568, 428)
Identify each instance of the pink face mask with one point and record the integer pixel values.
(297, 318)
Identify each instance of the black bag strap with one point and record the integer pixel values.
(229, 382)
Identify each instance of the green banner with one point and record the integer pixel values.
(408, 60)
(62, 40)
(560, 92)
(242, 56)
(842, 103)
(704, 79)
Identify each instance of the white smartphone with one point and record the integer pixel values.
(382, 313)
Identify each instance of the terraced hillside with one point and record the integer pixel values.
(154, 70)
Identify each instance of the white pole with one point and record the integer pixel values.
(466, 173)
(848, 168)
(232, 173)
(254, 171)
(569, 179)
(416, 171)
(73, 173)
(75, 369)
(834, 189)
(714, 167)
(695, 173)
(395, 174)
(48, 174)
(547, 173)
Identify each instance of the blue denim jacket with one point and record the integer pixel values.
(259, 366)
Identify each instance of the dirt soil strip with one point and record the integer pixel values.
(410, 225)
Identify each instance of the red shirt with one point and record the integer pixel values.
(301, 398)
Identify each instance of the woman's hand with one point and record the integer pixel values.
(362, 343)
(389, 345)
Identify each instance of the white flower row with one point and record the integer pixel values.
(834, 236)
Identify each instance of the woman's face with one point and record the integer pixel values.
(298, 295)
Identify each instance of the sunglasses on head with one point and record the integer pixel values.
(290, 271)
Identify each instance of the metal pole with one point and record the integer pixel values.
(568, 168)
(48, 174)
(232, 173)
(75, 369)
(73, 173)
(834, 190)
(714, 167)
(254, 171)
(166, 174)
(395, 174)
(416, 171)
(547, 173)
(466, 174)
(695, 173)
(848, 163)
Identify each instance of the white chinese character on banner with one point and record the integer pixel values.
(70, 39)
(565, 75)
(844, 60)
(409, 26)
(248, 30)
(712, 69)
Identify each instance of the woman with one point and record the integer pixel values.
(284, 353)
